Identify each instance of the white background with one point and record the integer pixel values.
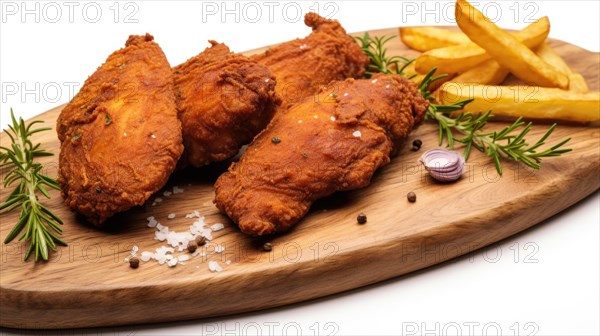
(544, 281)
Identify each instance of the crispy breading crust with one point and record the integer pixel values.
(303, 66)
(120, 136)
(316, 148)
(224, 100)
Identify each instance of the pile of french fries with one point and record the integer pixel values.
(478, 59)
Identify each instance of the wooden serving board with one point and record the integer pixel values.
(89, 284)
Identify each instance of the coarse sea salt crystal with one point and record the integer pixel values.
(357, 134)
(146, 256)
(214, 266)
(152, 222)
(183, 257)
(207, 233)
(219, 249)
(217, 226)
(134, 250)
(193, 214)
(172, 262)
(177, 190)
(171, 216)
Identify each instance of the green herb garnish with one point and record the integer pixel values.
(41, 225)
(466, 128)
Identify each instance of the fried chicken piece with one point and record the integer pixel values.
(303, 66)
(223, 100)
(120, 136)
(314, 149)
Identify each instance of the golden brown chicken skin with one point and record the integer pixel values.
(314, 149)
(120, 135)
(223, 100)
(303, 66)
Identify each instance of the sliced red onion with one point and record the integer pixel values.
(443, 165)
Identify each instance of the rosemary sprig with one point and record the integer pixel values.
(40, 224)
(375, 49)
(508, 143)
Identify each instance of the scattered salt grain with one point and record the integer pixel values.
(267, 80)
(214, 266)
(357, 134)
(345, 94)
(228, 262)
(217, 226)
(303, 46)
(316, 116)
(152, 222)
(387, 86)
(153, 136)
(167, 193)
(299, 121)
(171, 216)
(219, 249)
(332, 118)
(374, 81)
(134, 250)
(193, 214)
(146, 256)
(158, 200)
(177, 190)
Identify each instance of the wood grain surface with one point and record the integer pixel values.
(89, 284)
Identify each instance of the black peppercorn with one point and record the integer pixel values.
(361, 218)
(268, 247)
(192, 246)
(416, 145)
(134, 262)
(200, 241)
(412, 197)
(275, 140)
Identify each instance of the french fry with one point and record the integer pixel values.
(507, 49)
(576, 81)
(488, 72)
(427, 38)
(460, 58)
(531, 102)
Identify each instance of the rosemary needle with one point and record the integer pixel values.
(466, 128)
(40, 224)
